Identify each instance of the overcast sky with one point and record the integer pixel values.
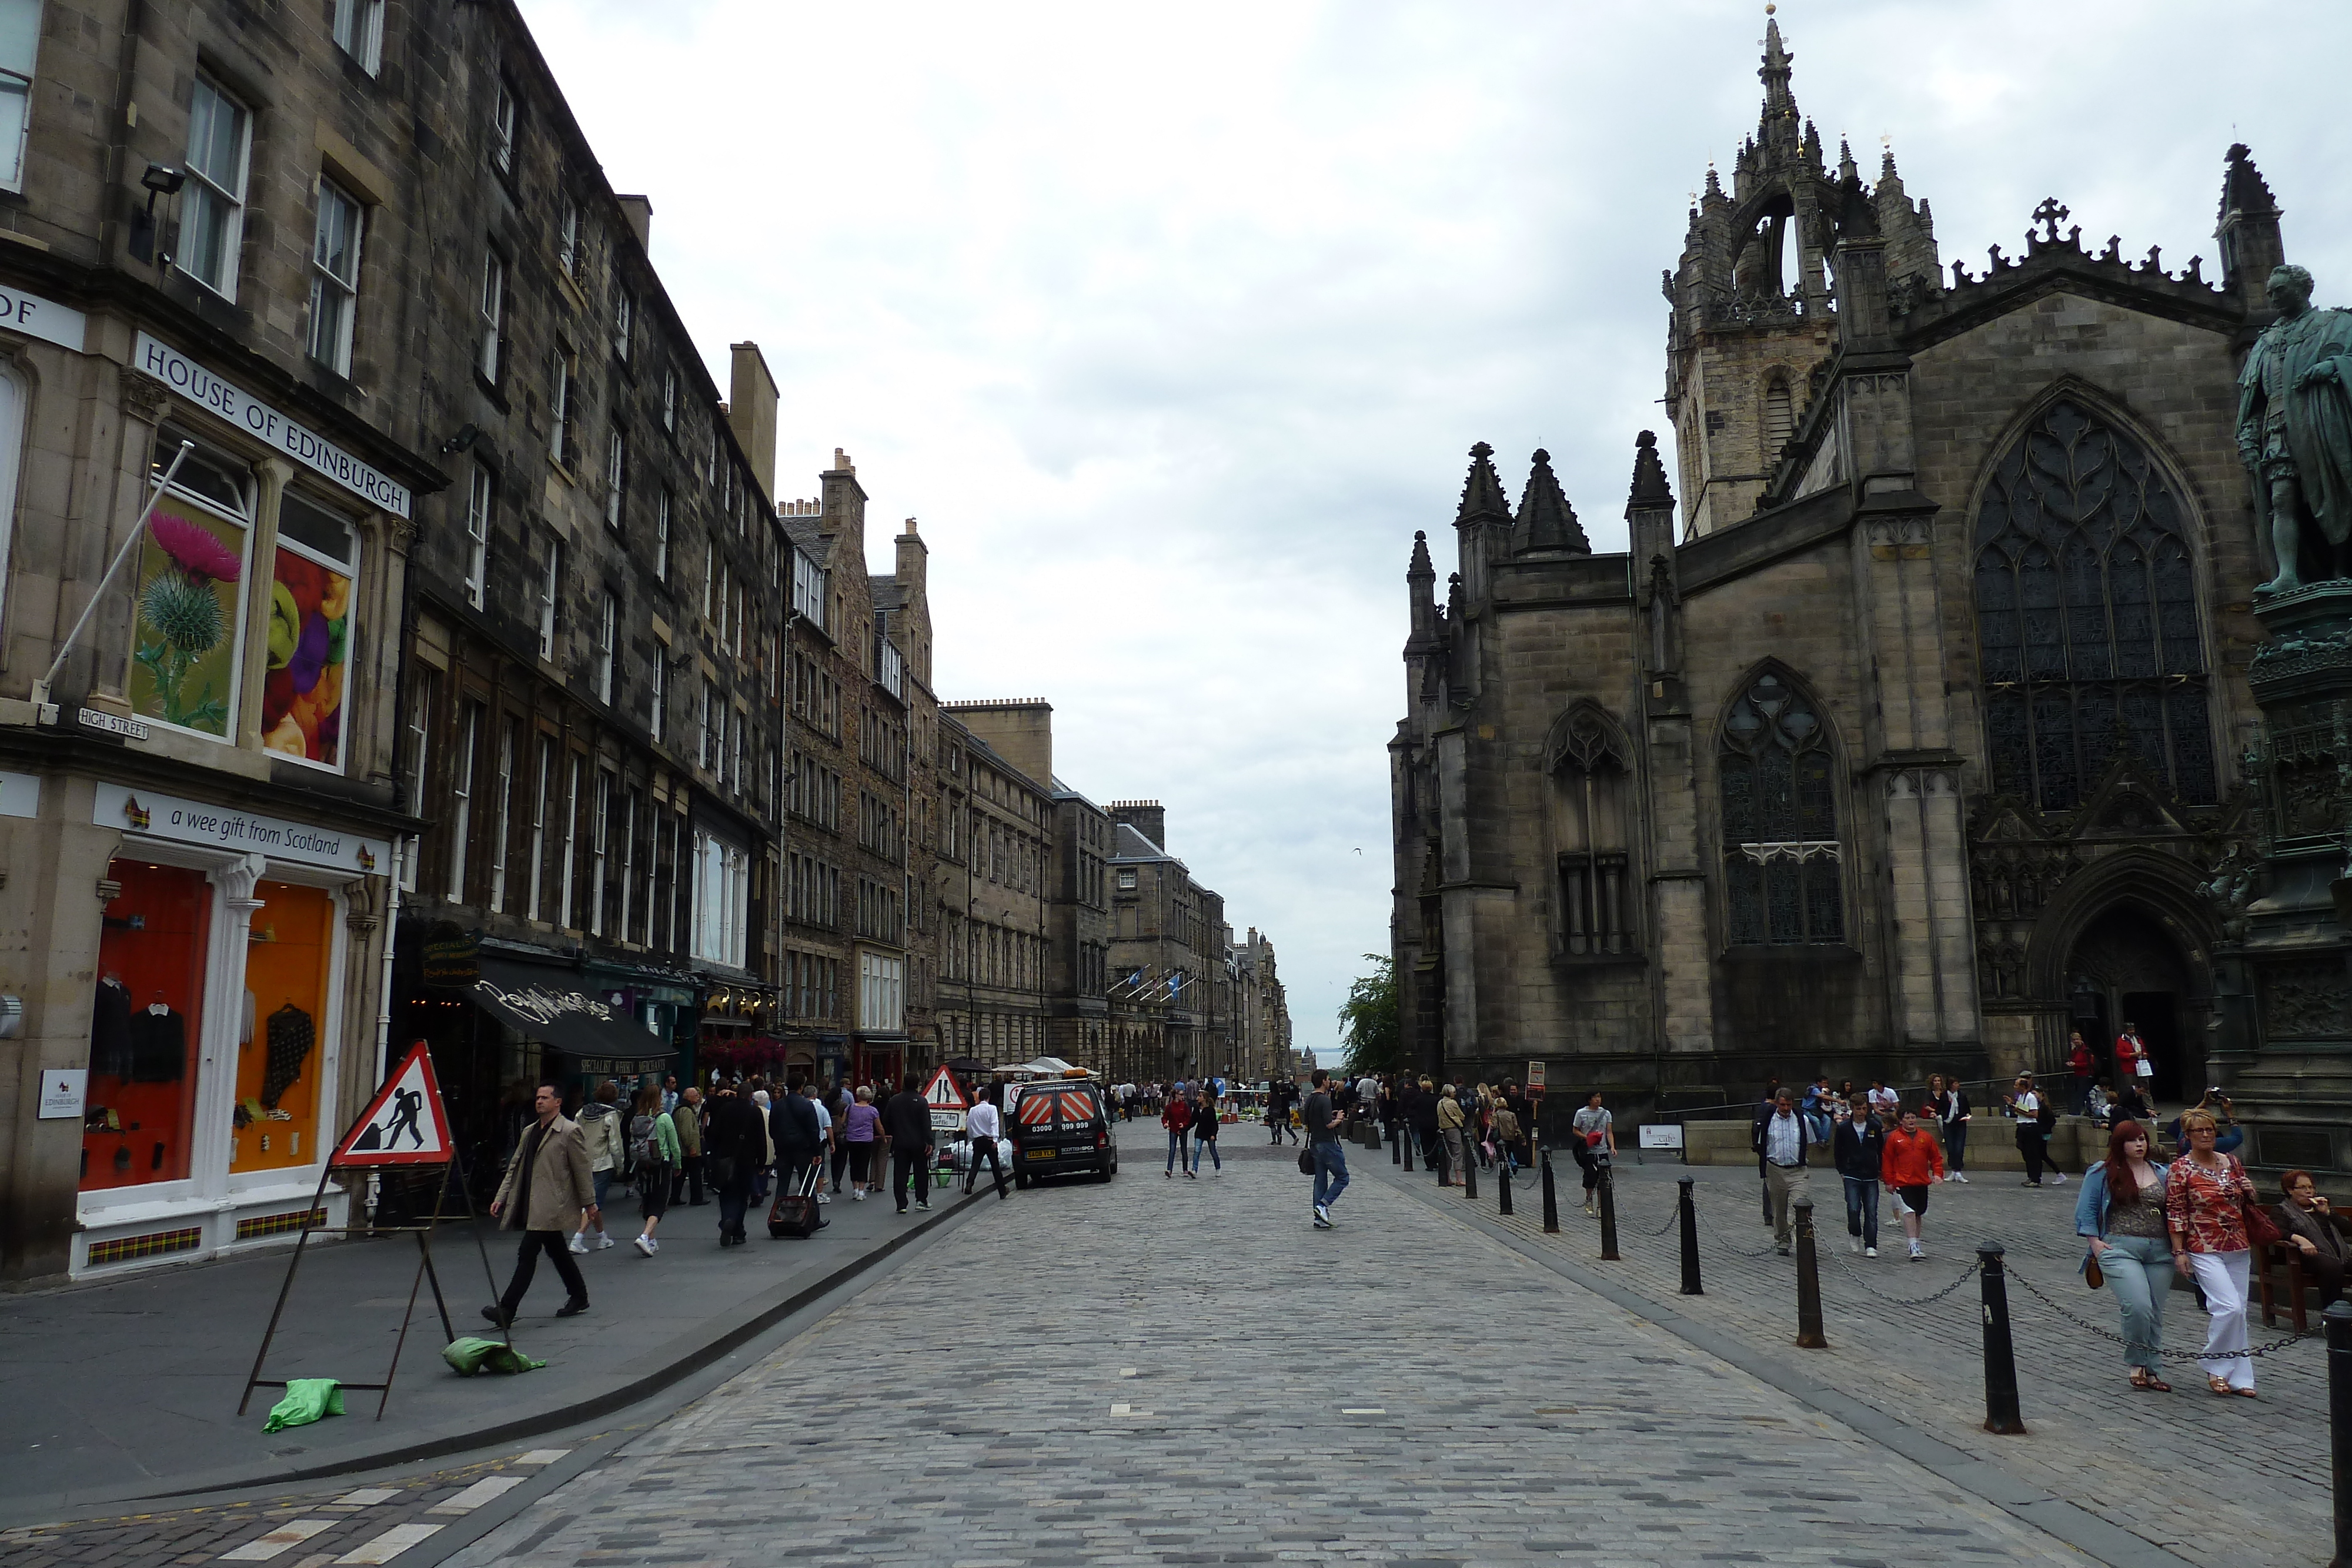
(1172, 323)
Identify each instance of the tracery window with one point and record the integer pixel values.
(1782, 859)
(2086, 617)
(1590, 799)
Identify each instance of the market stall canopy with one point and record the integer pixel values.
(549, 1006)
(1045, 1067)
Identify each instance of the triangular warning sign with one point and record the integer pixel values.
(945, 1093)
(405, 1123)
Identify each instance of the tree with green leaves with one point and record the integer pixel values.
(1371, 1040)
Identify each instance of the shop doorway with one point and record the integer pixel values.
(2126, 968)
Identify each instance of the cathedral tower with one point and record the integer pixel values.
(1753, 300)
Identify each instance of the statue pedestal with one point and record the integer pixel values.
(2288, 1045)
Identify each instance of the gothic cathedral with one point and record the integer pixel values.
(1924, 740)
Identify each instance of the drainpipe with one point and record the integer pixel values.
(401, 850)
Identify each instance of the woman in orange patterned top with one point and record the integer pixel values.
(2205, 1196)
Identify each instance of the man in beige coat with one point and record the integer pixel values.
(547, 1189)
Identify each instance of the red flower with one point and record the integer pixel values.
(194, 548)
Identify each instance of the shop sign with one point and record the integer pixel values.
(1662, 1136)
(1535, 1077)
(226, 828)
(453, 957)
(44, 318)
(20, 794)
(258, 419)
(62, 1091)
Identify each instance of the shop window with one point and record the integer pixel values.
(188, 646)
(310, 634)
(279, 1064)
(139, 1111)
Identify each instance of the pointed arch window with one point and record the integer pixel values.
(2087, 621)
(1783, 859)
(1779, 418)
(1591, 793)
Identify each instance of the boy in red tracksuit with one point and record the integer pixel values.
(1912, 1160)
(1176, 1118)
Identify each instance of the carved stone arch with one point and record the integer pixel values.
(2091, 589)
(2161, 888)
(1584, 734)
(1591, 817)
(1783, 813)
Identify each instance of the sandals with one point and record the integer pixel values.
(2221, 1386)
(2147, 1382)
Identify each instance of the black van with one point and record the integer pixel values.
(1058, 1127)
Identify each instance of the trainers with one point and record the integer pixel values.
(644, 1244)
(1961, 1179)
(924, 1207)
(2028, 1182)
(1870, 1251)
(824, 1198)
(580, 1245)
(1917, 1255)
(603, 1241)
(2056, 1179)
(652, 1246)
(859, 1196)
(1853, 1244)
(1783, 1249)
(1322, 1214)
(1322, 1223)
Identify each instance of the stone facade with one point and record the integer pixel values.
(1911, 749)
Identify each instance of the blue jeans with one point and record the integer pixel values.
(1331, 1173)
(1862, 1210)
(1210, 1145)
(2139, 1271)
(1956, 1146)
(1175, 1148)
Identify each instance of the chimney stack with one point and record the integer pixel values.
(751, 413)
(638, 210)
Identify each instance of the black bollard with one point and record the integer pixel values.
(1396, 1144)
(1469, 1173)
(1688, 1209)
(1809, 1282)
(2339, 1319)
(1608, 1216)
(1405, 1141)
(1503, 1184)
(2001, 1414)
(1551, 1197)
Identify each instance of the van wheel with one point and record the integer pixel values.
(1020, 1181)
(1106, 1173)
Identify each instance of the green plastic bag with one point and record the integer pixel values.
(307, 1399)
(470, 1355)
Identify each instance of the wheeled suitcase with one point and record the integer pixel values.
(795, 1213)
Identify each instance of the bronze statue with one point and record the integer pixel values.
(2295, 431)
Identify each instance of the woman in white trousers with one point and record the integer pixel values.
(2205, 1198)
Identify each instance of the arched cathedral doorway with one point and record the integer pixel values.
(2126, 968)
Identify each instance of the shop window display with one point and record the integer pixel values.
(139, 1111)
(185, 649)
(310, 634)
(278, 1066)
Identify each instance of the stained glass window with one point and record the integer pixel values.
(2086, 617)
(1782, 854)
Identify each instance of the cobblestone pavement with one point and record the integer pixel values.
(2261, 1493)
(1159, 1371)
(377, 1523)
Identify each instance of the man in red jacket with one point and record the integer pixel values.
(1912, 1160)
(1176, 1118)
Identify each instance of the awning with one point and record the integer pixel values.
(549, 1006)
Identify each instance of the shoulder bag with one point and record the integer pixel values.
(2262, 1230)
(1306, 1160)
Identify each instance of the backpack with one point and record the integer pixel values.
(644, 1145)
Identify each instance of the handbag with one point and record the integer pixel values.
(2262, 1230)
(2093, 1275)
(1307, 1161)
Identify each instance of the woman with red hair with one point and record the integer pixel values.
(2122, 1210)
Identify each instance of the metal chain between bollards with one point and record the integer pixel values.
(1868, 1289)
(1727, 1242)
(2250, 1352)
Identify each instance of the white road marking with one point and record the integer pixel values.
(1365, 1410)
(390, 1544)
(1126, 1371)
(480, 1492)
(285, 1538)
(542, 1456)
(367, 1497)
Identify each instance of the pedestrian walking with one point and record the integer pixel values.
(1507, 1134)
(2082, 1067)
(1449, 1128)
(826, 1135)
(653, 1151)
(862, 1135)
(906, 1123)
(1596, 1137)
(546, 1185)
(2209, 1204)
(1764, 1110)
(982, 1126)
(796, 1128)
(2033, 1142)
(837, 1104)
(1204, 1133)
(603, 1130)
(1176, 1118)
(1323, 1146)
(1858, 1149)
(735, 1140)
(2121, 1210)
(1949, 1104)
(686, 1121)
(1910, 1166)
(1782, 1143)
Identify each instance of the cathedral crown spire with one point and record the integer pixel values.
(1774, 72)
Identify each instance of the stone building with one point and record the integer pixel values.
(1912, 747)
(1163, 926)
(993, 885)
(1262, 1031)
(220, 232)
